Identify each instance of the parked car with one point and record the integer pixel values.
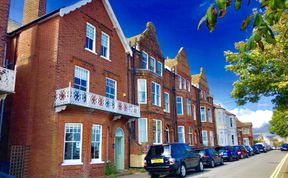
(210, 157)
(227, 153)
(241, 151)
(250, 150)
(284, 147)
(255, 149)
(261, 147)
(174, 158)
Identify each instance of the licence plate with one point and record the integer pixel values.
(153, 161)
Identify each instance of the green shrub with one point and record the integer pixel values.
(110, 169)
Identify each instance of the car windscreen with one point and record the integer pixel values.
(159, 150)
(200, 152)
(220, 149)
(237, 147)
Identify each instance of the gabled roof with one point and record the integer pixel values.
(66, 10)
(111, 14)
(174, 62)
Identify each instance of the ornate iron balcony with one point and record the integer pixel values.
(72, 96)
(7, 81)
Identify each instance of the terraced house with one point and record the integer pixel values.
(207, 115)
(72, 110)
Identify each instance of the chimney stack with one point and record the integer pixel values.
(4, 14)
(33, 9)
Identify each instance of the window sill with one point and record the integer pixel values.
(106, 58)
(72, 164)
(97, 162)
(91, 51)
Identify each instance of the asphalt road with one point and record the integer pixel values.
(259, 166)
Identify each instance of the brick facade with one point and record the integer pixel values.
(206, 102)
(245, 133)
(4, 13)
(47, 54)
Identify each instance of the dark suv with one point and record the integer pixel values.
(227, 153)
(174, 158)
(284, 147)
(210, 157)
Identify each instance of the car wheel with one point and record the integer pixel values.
(200, 167)
(183, 171)
(212, 164)
(154, 175)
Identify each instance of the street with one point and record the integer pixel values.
(259, 166)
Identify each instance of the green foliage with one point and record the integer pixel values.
(279, 123)
(110, 169)
(261, 73)
(261, 25)
(257, 141)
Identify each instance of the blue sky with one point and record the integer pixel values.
(176, 25)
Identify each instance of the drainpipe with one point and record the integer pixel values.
(107, 145)
(198, 115)
(173, 104)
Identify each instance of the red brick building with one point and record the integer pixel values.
(153, 90)
(207, 116)
(72, 108)
(244, 132)
(186, 100)
(7, 78)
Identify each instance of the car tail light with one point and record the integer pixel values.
(145, 163)
(171, 161)
(239, 152)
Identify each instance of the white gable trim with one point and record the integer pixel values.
(117, 27)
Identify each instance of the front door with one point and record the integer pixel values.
(119, 149)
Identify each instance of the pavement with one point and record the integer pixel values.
(260, 166)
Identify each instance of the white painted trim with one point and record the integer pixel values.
(161, 127)
(204, 112)
(114, 88)
(182, 109)
(183, 133)
(94, 38)
(147, 59)
(108, 46)
(138, 81)
(167, 111)
(117, 27)
(88, 76)
(146, 121)
(154, 64)
(99, 160)
(155, 93)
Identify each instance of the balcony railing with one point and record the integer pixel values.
(72, 96)
(7, 80)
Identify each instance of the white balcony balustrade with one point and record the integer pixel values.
(72, 96)
(7, 81)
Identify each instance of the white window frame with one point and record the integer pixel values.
(156, 136)
(182, 112)
(99, 160)
(211, 137)
(210, 118)
(194, 112)
(204, 114)
(154, 70)
(145, 91)
(88, 75)
(184, 84)
(108, 46)
(94, 38)
(183, 134)
(115, 94)
(188, 86)
(147, 60)
(168, 109)
(179, 82)
(155, 94)
(161, 69)
(139, 130)
(73, 161)
(188, 107)
(190, 136)
(205, 142)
